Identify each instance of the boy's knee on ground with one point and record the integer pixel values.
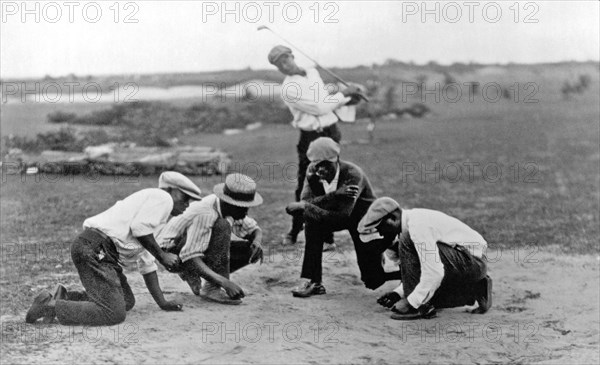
(116, 314)
(129, 303)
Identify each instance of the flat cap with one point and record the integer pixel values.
(172, 179)
(380, 208)
(277, 52)
(323, 149)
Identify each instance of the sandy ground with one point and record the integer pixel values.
(546, 310)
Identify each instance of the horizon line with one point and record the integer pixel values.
(249, 68)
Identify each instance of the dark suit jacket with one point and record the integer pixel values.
(335, 211)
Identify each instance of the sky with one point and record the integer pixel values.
(109, 37)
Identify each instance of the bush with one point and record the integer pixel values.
(61, 117)
(65, 139)
(577, 87)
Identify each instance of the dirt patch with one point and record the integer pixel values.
(537, 316)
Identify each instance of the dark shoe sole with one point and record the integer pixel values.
(405, 317)
(288, 241)
(60, 293)
(426, 311)
(226, 302)
(329, 247)
(299, 294)
(485, 295)
(417, 315)
(193, 286)
(37, 309)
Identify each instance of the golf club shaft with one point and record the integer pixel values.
(331, 73)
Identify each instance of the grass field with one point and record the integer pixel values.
(525, 175)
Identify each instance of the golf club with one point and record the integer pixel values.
(262, 27)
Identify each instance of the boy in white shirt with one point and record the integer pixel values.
(441, 259)
(116, 238)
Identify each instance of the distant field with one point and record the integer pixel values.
(30, 119)
(521, 82)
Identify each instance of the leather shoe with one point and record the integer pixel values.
(483, 295)
(425, 311)
(195, 284)
(40, 307)
(327, 247)
(289, 239)
(216, 294)
(60, 293)
(308, 289)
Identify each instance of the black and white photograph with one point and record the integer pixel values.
(300, 182)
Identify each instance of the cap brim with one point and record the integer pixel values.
(191, 194)
(316, 162)
(218, 190)
(370, 227)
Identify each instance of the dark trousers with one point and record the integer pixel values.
(107, 294)
(223, 256)
(306, 138)
(462, 271)
(368, 256)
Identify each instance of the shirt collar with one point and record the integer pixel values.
(335, 180)
(218, 207)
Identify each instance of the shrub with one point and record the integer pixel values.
(577, 87)
(65, 139)
(61, 117)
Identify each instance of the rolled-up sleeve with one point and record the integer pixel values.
(146, 263)
(312, 101)
(244, 227)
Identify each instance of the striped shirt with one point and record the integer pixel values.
(198, 220)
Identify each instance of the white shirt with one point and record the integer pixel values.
(427, 227)
(333, 185)
(139, 214)
(198, 220)
(309, 101)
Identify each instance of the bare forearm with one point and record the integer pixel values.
(150, 244)
(256, 235)
(199, 267)
(151, 280)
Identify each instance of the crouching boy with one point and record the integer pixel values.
(117, 238)
(202, 237)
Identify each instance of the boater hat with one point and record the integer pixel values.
(238, 190)
(172, 179)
